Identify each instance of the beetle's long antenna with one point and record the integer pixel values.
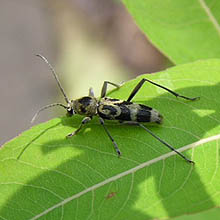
(55, 75)
(45, 107)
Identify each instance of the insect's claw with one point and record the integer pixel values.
(70, 135)
(188, 98)
(192, 162)
(119, 153)
(196, 98)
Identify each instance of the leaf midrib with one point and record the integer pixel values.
(127, 172)
(210, 15)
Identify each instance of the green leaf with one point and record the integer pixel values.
(184, 31)
(211, 214)
(82, 177)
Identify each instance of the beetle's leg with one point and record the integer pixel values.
(165, 143)
(140, 84)
(91, 92)
(109, 135)
(104, 88)
(84, 121)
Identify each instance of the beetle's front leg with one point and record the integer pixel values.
(84, 121)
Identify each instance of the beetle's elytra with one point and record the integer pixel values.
(113, 109)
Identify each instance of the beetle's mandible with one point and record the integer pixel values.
(113, 109)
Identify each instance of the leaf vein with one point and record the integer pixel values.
(210, 15)
(127, 172)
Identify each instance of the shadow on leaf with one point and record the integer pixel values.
(168, 187)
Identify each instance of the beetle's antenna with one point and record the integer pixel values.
(55, 75)
(45, 107)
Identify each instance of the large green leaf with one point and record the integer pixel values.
(82, 177)
(184, 31)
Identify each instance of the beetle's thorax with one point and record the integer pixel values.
(86, 105)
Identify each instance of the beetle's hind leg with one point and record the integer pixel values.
(84, 121)
(104, 88)
(163, 142)
(140, 84)
(109, 135)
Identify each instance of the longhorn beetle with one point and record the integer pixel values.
(112, 109)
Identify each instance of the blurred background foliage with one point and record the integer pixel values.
(87, 41)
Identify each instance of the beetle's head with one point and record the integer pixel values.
(70, 108)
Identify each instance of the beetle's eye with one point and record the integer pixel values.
(70, 112)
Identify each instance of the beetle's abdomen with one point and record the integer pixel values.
(115, 109)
